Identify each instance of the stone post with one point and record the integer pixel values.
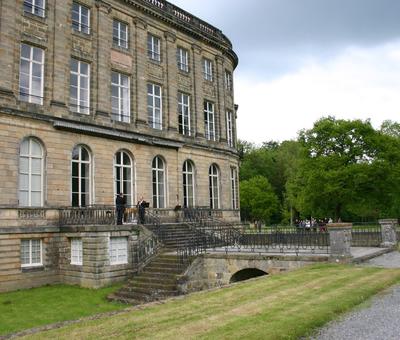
(388, 230)
(340, 241)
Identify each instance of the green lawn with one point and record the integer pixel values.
(284, 306)
(40, 306)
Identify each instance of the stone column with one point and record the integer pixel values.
(198, 91)
(340, 241)
(171, 107)
(388, 230)
(141, 72)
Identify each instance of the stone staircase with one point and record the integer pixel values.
(175, 235)
(157, 281)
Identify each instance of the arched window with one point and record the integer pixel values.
(213, 180)
(158, 172)
(81, 177)
(188, 184)
(123, 175)
(31, 173)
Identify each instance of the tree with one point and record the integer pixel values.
(347, 169)
(257, 199)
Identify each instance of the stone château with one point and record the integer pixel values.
(100, 97)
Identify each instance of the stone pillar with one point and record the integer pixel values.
(141, 72)
(340, 241)
(198, 90)
(171, 107)
(388, 230)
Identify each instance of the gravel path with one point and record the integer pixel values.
(378, 321)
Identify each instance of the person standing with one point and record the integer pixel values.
(120, 207)
(141, 205)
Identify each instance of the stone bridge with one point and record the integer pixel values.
(220, 269)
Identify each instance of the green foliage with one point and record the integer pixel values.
(257, 199)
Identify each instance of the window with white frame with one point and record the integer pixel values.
(213, 178)
(31, 171)
(123, 175)
(182, 56)
(118, 250)
(188, 184)
(76, 251)
(31, 253)
(79, 86)
(153, 47)
(154, 106)
(120, 34)
(31, 74)
(120, 97)
(184, 114)
(158, 179)
(81, 177)
(209, 120)
(234, 188)
(229, 128)
(207, 69)
(35, 7)
(228, 81)
(80, 18)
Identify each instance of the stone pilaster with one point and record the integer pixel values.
(103, 71)
(8, 14)
(171, 105)
(340, 241)
(388, 230)
(220, 109)
(141, 67)
(198, 100)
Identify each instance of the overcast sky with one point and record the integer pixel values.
(300, 60)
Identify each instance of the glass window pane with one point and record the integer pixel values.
(37, 54)
(36, 183)
(36, 199)
(23, 182)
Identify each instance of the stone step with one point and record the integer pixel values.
(143, 286)
(157, 279)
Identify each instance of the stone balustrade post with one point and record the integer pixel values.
(340, 241)
(388, 230)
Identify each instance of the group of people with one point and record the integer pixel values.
(120, 206)
(313, 223)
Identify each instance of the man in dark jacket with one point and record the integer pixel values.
(120, 207)
(141, 205)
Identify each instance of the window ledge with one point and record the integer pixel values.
(32, 268)
(87, 36)
(35, 17)
(122, 49)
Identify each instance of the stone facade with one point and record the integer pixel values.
(58, 129)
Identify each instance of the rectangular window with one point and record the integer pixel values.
(182, 56)
(80, 18)
(209, 123)
(207, 69)
(154, 106)
(31, 253)
(120, 34)
(184, 113)
(35, 7)
(76, 251)
(31, 74)
(228, 81)
(234, 188)
(118, 250)
(120, 97)
(153, 48)
(79, 86)
(229, 128)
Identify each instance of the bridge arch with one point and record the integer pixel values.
(246, 274)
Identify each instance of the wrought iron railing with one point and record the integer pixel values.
(145, 250)
(366, 235)
(93, 215)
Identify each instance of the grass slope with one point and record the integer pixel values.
(284, 306)
(40, 306)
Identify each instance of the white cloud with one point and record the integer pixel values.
(358, 83)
